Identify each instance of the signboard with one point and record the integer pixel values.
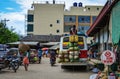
(108, 57)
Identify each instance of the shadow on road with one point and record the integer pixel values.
(4, 71)
(76, 69)
(54, 66)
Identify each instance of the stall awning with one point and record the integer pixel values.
(55, 47)
(102, 18)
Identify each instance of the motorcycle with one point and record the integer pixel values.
(52, 57)
(52, 61)
(12, 63)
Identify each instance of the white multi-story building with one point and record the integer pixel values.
(45, 18)
(52, 18)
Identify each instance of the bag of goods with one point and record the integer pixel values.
(64, 52)
(66, 60)
(71, 53)
(66, 56)
(60, 52)
(23, 47)
(60, 56)
(76, 53)
(71, 57)
(75, 44)
(76, 38)
(76, 48)
(76, 57)
(72, 60)
(70, 44)
(73, 38)
(71, 48)
(60, 60)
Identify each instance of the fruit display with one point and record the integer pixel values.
(72, 53)
(63, 56)
(73, 48)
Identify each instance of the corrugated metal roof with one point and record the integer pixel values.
(49, 38)
(35, 43)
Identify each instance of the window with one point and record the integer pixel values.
(97, 8)
(65, 39)
(81, 40)
(84, 19)
(88, 8)
(94, 18)
(51, 25)
(30, 28)
(57, 31)
(58, 21)
(67, 28)
(30, 18)
(83, 28)
(69, 19)
(29, 34)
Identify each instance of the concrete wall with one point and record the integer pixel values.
(84, 11)
(46, 14)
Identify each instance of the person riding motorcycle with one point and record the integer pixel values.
(52, 57)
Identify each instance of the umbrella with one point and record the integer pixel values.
(44, 49)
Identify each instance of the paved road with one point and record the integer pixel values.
(44, 71)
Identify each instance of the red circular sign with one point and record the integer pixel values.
(107, 54)
(108, 57)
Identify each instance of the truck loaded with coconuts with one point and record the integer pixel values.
(73, 51)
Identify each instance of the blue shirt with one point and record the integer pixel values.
(39, 52)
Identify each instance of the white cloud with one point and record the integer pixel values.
(17, 19)
(9, 8)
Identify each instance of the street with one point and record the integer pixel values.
(44, 71)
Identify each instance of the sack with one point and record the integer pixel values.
(23, 47)
(73, 38)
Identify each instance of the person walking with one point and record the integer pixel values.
(26, 60)
(39, 55)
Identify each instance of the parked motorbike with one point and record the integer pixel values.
(12, 63)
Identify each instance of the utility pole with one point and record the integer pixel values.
(4, 22)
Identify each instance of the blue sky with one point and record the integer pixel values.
(9, 6)
(15, 11)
